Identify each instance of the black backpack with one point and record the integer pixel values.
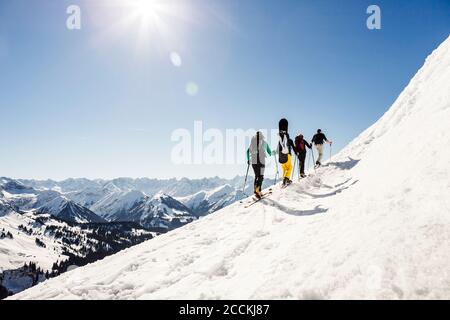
(282, 157)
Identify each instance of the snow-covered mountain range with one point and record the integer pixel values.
(169, 203)
(373, 223)
(23, 197)
(159, 211)
(205, 202)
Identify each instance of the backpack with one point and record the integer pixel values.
(283, 156)
(300, 144)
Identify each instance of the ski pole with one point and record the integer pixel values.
(309, 162)
(314, 162)
(245, 181)
(276, 165)
(331, 143)
(293, 171)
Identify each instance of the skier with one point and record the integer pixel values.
(256, 155)
(300, 146)
(285, 147)
(318, 139)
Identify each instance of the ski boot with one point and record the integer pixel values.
(258, 193)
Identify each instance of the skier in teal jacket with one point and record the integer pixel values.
(256, 156)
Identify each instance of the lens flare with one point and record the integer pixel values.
(175, 59)
(192, 88)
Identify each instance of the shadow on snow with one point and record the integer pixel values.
(344, 165)
(330, 194)
(294, 212)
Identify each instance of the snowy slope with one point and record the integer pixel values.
(43, 240)
(373, 223)
(61, 238)
(22, 248)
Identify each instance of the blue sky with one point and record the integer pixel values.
(102, 102)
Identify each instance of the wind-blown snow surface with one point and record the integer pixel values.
(373, 223)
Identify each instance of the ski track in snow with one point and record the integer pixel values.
(374, 223)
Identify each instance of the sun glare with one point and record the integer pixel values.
(154, 18)
(151, 26)
(148, 9)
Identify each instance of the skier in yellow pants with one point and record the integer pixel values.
(287, 168)
(285, 148)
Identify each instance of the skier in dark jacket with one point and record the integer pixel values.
(318, 140)
(300, 146)
(256, 156)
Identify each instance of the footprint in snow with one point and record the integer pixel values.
(260, 233)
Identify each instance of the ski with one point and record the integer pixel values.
(255, 199)
(283, 186)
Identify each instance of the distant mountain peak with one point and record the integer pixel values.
(74, 212)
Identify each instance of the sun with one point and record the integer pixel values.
(154, 19)
(149, 26)
(148, 10)
(154, 11)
